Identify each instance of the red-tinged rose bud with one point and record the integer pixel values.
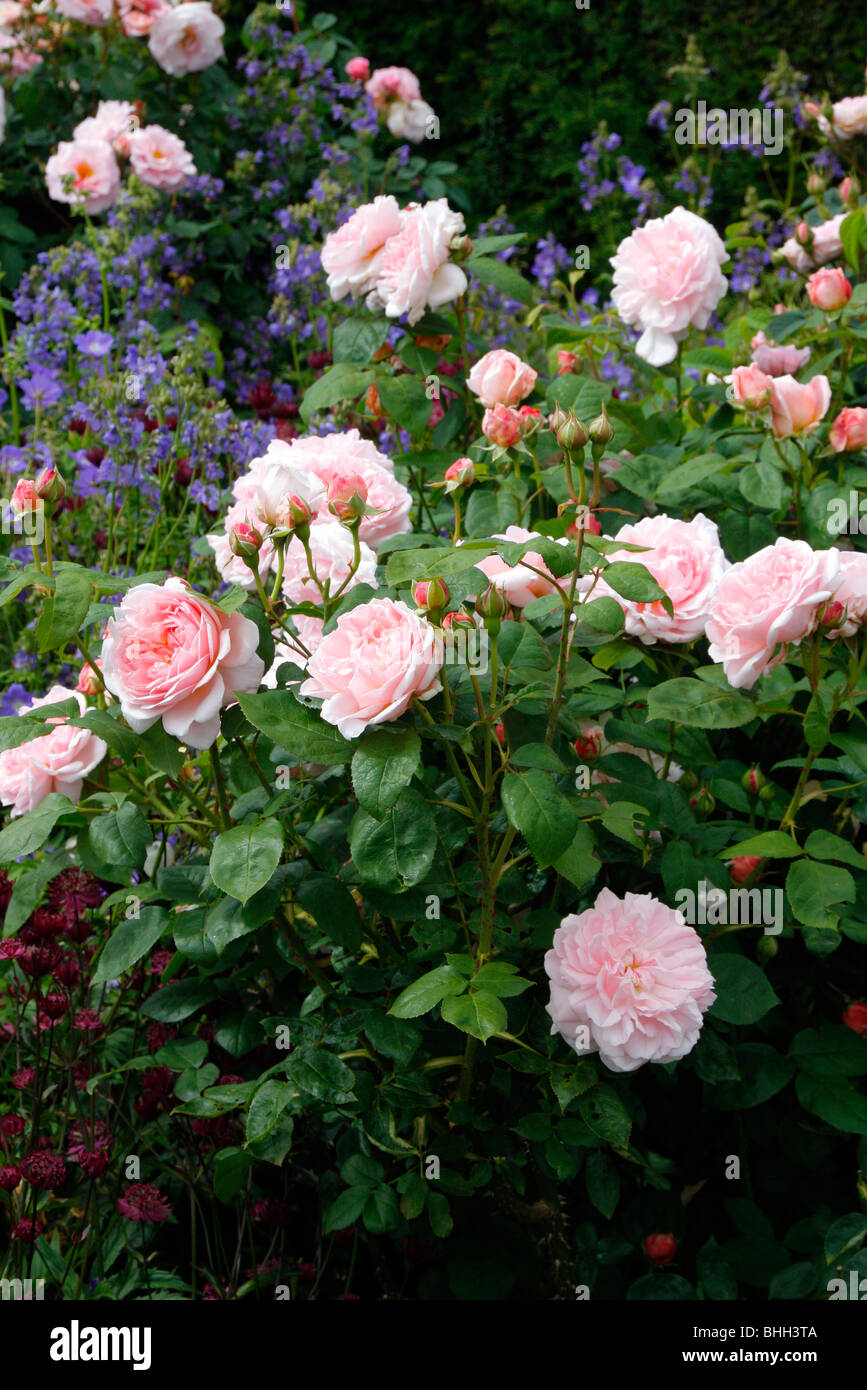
(660, 1249)
(601, 430)
(832, 614)
(50, 486)
(567, 362)
(347, 494)
(461, 473)
(245, 542)
(855, 1017)
(753, 780)
(358, 69)
(458, 619)
(588, 746)
(502, 426)
(828, 289)
(293, 514)
(373, 402)
(430, 595)
(500, 734)
(89, 682)
(531, 418)
(492, 606)
(24, 498)
(745, 867)
(703, 802)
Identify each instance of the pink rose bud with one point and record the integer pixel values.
(828, 289)
(502, 425)
(744, 867)
(850, 191)
(358, 69)
(531, 418)
(803, 233)
(500, 733)
(245, 542)
(461, 473)
(588, 746)
(492, 605)
(430, 595)
(458, 619)
(660, 1249)
(815, 185)
(567, 362)
(797, 408)
(24, 498)
(293, 514)
(752, 388)
(849, 430)
(89, 682)
(753, 780)
(832, 613)
(50, 486)
(347, 494)
(855, 1017)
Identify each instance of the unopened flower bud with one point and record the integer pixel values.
(588, 745)
(491, 606)
(660, 1249)
(461, 473)
(558, 417)
(461, 248)
(744, 867)
(753, 780)
(458, 619)
(293, 514)
(703, 801)
(347, 494)
(245, 542)
(850, 192)
(571, 434)
(502, 425)
(531, 418)
(815, 184)
(50, 486)
(567, 362)
(601, 430)
(89, 682)
(430, 595)
(373, 402)
(766, 794)
(766, 948)
(24, 498)
(855, 1017)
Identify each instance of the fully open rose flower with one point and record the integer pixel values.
(778, 361)
(352, 256)
(768, 601)
(379, 658)
(160, 159)
(137, 17)
(169, 654)
(501, 378)
(797, 408)
(410, 120)
(392, 84)
(271, 479)
(686, 560)
(331, 547)
(416, 273)
(826, 245)
(95, 12)
(90, 169)
(629, 980)
(848, 118)
(849, 430)
(114, 121)
(57, 761)
(187, 38)
(667, 279)
(347, 454)
(520, 583)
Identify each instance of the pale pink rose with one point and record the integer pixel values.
(160, 159)
(10, 13)
(629, 980)
(667, 279)
(501, 378)
(169, 654)
(828, 289)
(94, 12)
(137, 16)
(392, 84)
(348, 454)
(826, 246)
(751, 388)
(232, 569)
(352, 256)
(378, 659)
(849, 430)
(519, 583)
(797, 408)
(502, 425)
(89, 681)
(93, 169)
(849, 118)
(851, 592)
(273, 477)
(114, 122)
(16, 57)
(766, 602)
(686, 560)
(56, 762)
(358, 69)
(416, 273)
(410, 120)
(332, 551)
(778, 361)
(187, 38)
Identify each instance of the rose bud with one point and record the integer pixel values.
(588, 746)
(803, 233)
(50, 486)
(832, 614)
(502, 426)
(491, 606)
(347, 494)
(855, 1017)
(567, 362)
(744, 867)
(245, 542)
(89, 682)
(660, 1249)
(601, 430)
(751, 387)
(558, 417)
(828, 289)
(571, 434)
(703, 801)
(374, 404)
(458, 619)
(850, 192)
(24, 497)
(430, 595)
(531, 418)
(753, 780)
(293, 514)
(815, 184)
(849, 430)
(358, 69)
(461, 473)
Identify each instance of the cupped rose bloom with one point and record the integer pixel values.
(270, 479)
(629, 980)
(392, 84)
(58, 761)
(92, 168)
(416, 273)
(232, 568)
(751, 387)
(778, 361)
(410, 120)
(848, 118)
(849, 430)
(169, 654)
(347, 453)
(686, 560)
(187, 38)
(503, 426)
(379, 658)
(828, 289)
(352, 256)
(160, 159)
(767, 603)
(826, 246)
(797, 408)
(851, 593)
(667, 279)
(137, 17)
(520, 583)
(114, 121)
(358, 69)
(501, 378)
(332, 551)
(94, 12)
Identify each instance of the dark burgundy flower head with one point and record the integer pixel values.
(88, 1021)
(11, 1126)
(22, 1079)
(25, 1230)
(77, 426)
(43, 1170)
(5, 892)
(54, 1005)
(157, 1035)
(272, 1210)
(86, 1137)
(40, 960)
(41, 926)
(142, 1201)
(66, 971)
(10, 1177)
(11, 949)
(94, 1164)
(74, 893)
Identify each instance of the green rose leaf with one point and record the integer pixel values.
(243, 859)
(382, 765)
(297, 728)
(541, 813)
(742, 989)
(397, 851)
(698, 704)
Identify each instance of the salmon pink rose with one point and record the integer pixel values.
(751, 388)
(352, 256)
(58, 761)
(519, 583)
(380, 657)
(667, 279)
(187, 38)
(828, 289)
(629, 980)
(160, 159)
(169, 654)
(84, 173)
(503, 426)
(778, 361)
(392, 84)
(796, 408)
(849, 430)
(686, 560)
(137, 17)
(501, 378)
(416, 273)
(765, 604)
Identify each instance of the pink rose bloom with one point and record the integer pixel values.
(187, 38)
(503, 426)
(751, 388)
(232, 569)
(828, 289)
(766, 602)
(826, 246)
(160, 159)
(851, 592)
(629, 980)
(410, 120)
(94, 172)
(849, 430)
(345, 454)
(390, 84)
(667, 279)
(797, 409)
(57, 762)
(332, 550)
(686, 560)
(10, 13)
(169, 654)
(137, 16)
(501, 378)
(416, 273)
(95, 12)
(114, 121)
(379, 658)
(849, 118)
(352, 256)
(778, 361)
(273, 477)
(358, 69)
(519, 583)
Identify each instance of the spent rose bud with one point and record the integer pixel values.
(347, 494)
(567, 362)
(502, 425)
(855, 1017)
(461, 473)
(430, 595)
(49, 486)
(849, 430)
(828, 289)
(744, 867)
(601, 430)
(358, 69)
(660, 1249)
